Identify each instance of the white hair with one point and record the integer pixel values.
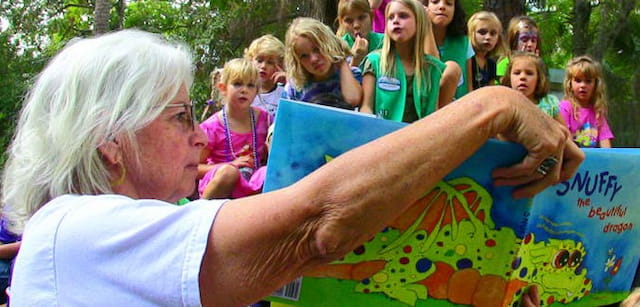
(93, 90)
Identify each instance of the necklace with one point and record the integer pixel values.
(230, 153)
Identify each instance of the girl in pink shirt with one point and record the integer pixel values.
(584, 107)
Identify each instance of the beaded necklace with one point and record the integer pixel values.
(231, 154)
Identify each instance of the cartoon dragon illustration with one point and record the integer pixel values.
(447, 243)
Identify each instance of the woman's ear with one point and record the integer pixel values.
(111, 151)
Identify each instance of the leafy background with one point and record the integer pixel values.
(218, 30)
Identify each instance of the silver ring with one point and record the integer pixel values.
(546, 165)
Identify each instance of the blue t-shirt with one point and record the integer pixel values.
(325, 92)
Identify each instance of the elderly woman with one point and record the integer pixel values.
(107, 141)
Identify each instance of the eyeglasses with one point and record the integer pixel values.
(189, 111)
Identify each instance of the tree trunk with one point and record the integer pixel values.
(101, 17)
(614, 15)
(121, 10)
(505, 9)
(580, 22)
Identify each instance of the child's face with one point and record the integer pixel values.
(582, 88)
(312, 59)
(401, 23)
(357, 23)
(441, 12)
(486, 36)
(524, 77)
(528, 40)
(267, 65)
(239, 93)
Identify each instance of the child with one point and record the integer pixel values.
(449, 30)
(354, 26)
(267, 53)
(316, 66)
(236, 136)
(523, 36)
(584, 107)
(401, 82)
(378, 7)
(213, 104)
(527, 73)
(485, 34)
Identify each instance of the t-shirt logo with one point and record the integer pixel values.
(389, 83)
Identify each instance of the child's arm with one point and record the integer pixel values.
(449, 83)
(605, 143)
(560, 119)
(349, 86)
(9, 250)
(369, 93)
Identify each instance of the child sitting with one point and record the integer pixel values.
(236, 137)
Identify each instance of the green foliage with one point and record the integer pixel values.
(218, 30)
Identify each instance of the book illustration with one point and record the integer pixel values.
(451, 247)
(467, 241)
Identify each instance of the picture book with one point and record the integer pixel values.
(467, 242)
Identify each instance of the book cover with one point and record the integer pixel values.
(466, 241)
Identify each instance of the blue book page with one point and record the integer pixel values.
(458, 245)
(581, 237)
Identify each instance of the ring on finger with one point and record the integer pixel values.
(546, 165)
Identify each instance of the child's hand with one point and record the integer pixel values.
(360, 47)
(244, 161)
(279, 76)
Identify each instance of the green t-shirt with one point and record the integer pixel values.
(501, 68)
(375, 40)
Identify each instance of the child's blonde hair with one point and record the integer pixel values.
(423, 27)
(513, 31)
(239, 69)
(330, 46)
(543, 85)
(266, 45)
(492, 19)
(347, 6)
(590, 69)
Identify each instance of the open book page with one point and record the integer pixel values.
(581, 244)
(460, 244)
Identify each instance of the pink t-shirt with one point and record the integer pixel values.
(378, 23)
(214, 129)
(219, 153)
(587, 131)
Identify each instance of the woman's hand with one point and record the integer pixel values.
(546, 141)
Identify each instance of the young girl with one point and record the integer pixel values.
(527, 73)
(267, 53)
(584, 107)
(522, 36)
(400, 81)
(450, 32)
(236, 137)
(485, 34)
(354, 26)
(213, 104)
(316, 66)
